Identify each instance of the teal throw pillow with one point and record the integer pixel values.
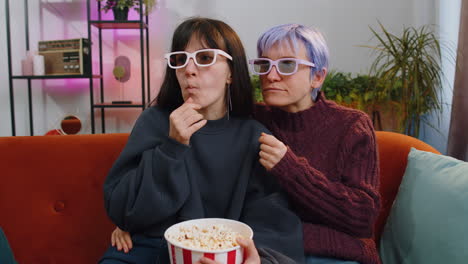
(428, 222)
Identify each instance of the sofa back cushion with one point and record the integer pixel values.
(428, 221)
(51, 198)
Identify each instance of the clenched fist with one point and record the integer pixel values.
(184, 121)
(271, 151)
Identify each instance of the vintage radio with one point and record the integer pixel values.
(66, 57)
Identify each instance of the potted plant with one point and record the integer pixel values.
(359, 92)
(408, 71)
(339, 87)
(120, 8)
(257, 89)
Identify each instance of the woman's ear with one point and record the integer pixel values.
(229, 79)
(318, 79)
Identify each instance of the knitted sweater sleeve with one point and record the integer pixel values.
(350, 204)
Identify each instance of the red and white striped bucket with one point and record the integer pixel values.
(180, 254)
(186, 256)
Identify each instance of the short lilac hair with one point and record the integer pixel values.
(287, 35)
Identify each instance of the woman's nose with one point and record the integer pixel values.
(191, 67)
(273, 75)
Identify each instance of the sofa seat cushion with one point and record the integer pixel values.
(427, 223)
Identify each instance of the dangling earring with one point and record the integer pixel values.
(228, 99)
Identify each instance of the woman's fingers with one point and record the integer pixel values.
(184, 121)
(185, 132)
(192, 119)
(270, 140)
(121, 240)
(113, 238)
(185, 111)
(267, 149)
(204, 260)
(123, 245)
(189, 107)
(266, 139)
(128, 240)
(186, 108)
(195, 127)
(273, 156)
(250, 251)
(118, 244)
(266, 156)
(267, 164)
(272, 150)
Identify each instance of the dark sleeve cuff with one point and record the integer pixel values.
(173, 148)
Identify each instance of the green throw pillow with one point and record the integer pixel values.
(6, 256)
(428, 222)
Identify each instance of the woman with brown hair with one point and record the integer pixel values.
(195, 154)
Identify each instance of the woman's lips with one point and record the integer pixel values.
(191, 88)
(272, 89)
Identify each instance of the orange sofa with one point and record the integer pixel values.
(51, 201)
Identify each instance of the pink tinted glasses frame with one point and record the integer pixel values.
(284, 66)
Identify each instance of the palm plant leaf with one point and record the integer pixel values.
(408, 69)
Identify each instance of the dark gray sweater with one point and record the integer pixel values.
(157, 182)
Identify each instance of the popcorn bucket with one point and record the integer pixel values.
(180, 253)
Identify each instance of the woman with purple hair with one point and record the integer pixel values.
(324, 155)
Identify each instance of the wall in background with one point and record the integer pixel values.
(344, 23)
(54, 99)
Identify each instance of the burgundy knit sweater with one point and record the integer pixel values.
(331, 174)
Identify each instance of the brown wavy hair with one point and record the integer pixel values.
(216, 35)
